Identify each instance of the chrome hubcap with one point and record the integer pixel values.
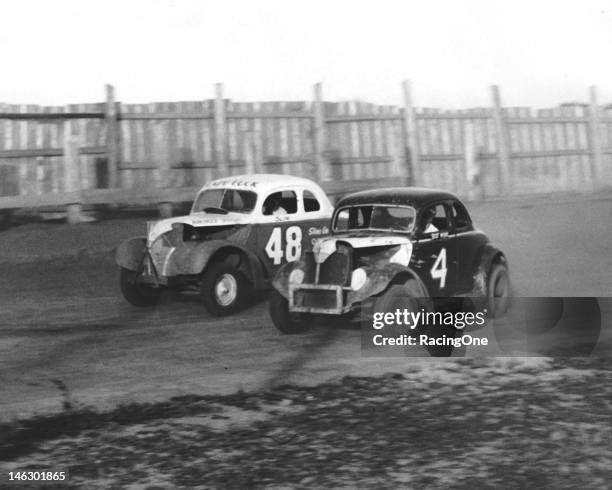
(226, 289)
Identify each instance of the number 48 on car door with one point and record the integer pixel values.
(284, 245)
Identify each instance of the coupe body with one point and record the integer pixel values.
(239, 232)
(395, 246)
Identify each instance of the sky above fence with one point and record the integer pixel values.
(541, 52)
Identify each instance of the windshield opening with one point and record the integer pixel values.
(375, 217)
(232, 200)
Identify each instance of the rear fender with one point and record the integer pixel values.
(489, 256)
(130, 254)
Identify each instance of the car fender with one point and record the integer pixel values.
(281, 279)
(380, 278)
(191, 258)
(130, 254)
(486, 258)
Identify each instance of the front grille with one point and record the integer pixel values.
(337, 268)
(315, 298)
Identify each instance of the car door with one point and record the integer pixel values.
(283, 237)
(469, 243)
(434, 255)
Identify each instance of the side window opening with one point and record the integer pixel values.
(279, 203)
(434, 219)
(461, 219)
(311, 203)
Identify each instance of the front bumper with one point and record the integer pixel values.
(318, 298)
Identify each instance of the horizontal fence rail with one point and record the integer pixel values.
(115, 153)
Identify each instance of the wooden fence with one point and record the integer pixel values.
(162, 152)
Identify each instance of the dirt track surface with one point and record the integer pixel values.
(525, 423)
(68, 342)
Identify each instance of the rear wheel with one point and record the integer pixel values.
(223, 289)
(498, 290)
(136, 293)
(283, 319)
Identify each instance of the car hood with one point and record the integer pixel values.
(198, 220)
(324, 247)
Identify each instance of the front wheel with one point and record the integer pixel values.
(223, 289)
(136, 293)
(283, 319)
(498, 290)
(410, 297)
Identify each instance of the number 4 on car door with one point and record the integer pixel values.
(293, 244)
(438, 270)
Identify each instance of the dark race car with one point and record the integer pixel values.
(398, 247)
(239, 232)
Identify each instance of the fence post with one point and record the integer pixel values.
(112, 137)
(595, 138)
(323, 170)
(72, 173)
(502, 141)
(220, 132)
(411, 135)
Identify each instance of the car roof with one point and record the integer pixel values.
(407, 196)
(261, 182)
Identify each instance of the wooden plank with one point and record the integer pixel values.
(307, 142)
(158, 148)
(595, 138)
(544, 120)
(346, 145)
(112, 137)
(558, 142)
(348, 118)
(361, 130)
(34, 201)
(220, 133)
(277, 166)
(248, 140)
(514, 147)
(139, 116)
(21, 134)
(430, 114)
(502, 140)
(231, 133)
(384, 159)
(274, 114)
(322, 164)
(412, 134)
(32, 153)
(258, 146)
(41, 116)
(283, 133)
(470, 170)
(398, 167)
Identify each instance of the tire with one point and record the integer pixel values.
(223, 289)
(137, 294)
(397, 296)
(402, 296)
(285, 321)
(409, 296)
(498, 290)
